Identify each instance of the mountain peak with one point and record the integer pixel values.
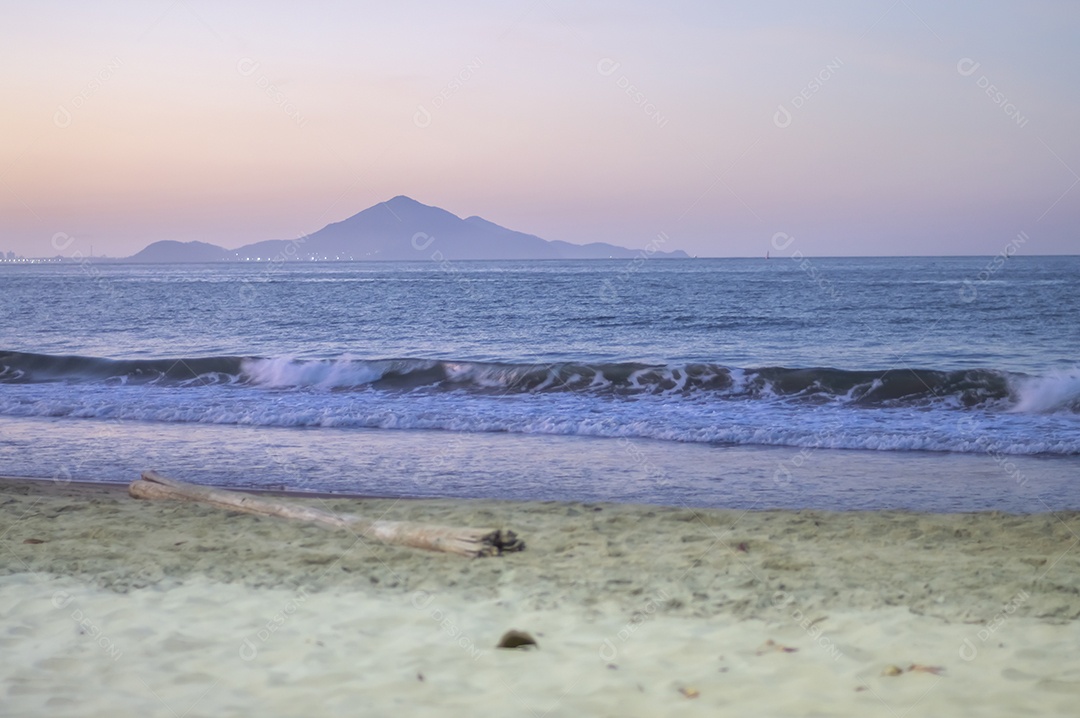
(409, 231)
(404, 201)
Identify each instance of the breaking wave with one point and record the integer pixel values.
(968, 411)
(964, 388)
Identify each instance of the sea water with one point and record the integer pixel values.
(927, 383)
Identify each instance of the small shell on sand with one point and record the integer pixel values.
(913, 668)
(772, 646)
(517, 639)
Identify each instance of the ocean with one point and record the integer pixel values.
(933, 384)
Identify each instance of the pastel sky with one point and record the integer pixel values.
(891, 127)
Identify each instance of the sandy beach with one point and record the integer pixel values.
(112, 605)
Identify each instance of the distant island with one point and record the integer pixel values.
(399, 229)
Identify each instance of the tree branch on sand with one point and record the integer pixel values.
(464, 541)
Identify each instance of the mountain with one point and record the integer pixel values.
(168, 251)
(399, 229)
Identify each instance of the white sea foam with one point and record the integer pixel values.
(653, 416)
(1057, 391)
(279, 372)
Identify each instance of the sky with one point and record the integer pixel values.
(870, 127)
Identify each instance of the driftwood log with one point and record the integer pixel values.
(463, 541)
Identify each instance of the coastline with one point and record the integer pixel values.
(536, 467)
(641, 609)
(44, 484)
